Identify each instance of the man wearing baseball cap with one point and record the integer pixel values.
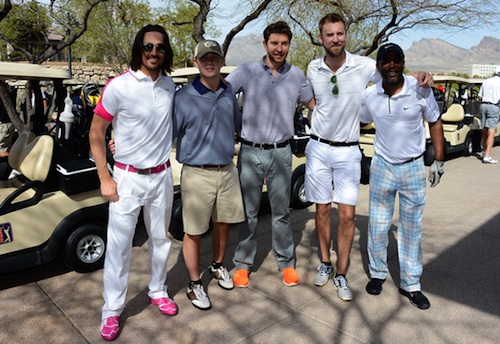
(206, 118)
(489, 94)
(398, 106)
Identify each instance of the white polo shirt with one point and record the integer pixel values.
(336, 117)
(399, 120)
(490, 90)
(141, 114)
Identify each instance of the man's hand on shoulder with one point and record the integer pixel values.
(425, 79)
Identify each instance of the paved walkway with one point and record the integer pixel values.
(461, 278)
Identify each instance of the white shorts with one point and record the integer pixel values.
(330, 167)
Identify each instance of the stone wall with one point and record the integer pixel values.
(86, 72)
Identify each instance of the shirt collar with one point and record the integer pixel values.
(349, 62)
(139, 75)
(406, 90)
(202, 89)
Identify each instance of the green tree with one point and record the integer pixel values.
(111, 32)
(36, 22)
(24, 29)
(177, 18)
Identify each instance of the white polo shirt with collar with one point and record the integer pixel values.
(336, 117)
(399, 120)
(140, 110)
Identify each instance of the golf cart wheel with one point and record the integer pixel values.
(469, 145)
(85, 248)
(298, 199)
(176, 226)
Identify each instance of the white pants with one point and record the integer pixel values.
(154, 193)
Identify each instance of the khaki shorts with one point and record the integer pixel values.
(210, 192)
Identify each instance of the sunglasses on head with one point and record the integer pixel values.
(335, 89)
(160, 48)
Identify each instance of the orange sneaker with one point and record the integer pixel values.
(240, 278)
(290, 277)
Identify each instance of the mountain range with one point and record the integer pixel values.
(428, 54)
(439, 56)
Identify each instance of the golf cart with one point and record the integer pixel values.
(50, 205)
(460, 116)
(297, 200)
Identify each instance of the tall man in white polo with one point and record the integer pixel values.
(333, 156)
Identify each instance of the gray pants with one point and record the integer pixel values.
(275, 165)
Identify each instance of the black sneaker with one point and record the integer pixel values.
(416, 298)
(374, 287)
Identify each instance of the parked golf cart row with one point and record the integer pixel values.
(458, 101)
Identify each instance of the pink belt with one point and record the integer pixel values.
(146, 171)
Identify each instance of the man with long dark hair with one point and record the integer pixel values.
(138, 104)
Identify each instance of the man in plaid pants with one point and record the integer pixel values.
(398, 107)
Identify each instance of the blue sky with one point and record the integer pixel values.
(463, 39)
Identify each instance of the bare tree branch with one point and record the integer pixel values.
(252, 16)
(6, 9)
(201, 18)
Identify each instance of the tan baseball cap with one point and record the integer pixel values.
(207, 46)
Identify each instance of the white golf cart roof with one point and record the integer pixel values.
(27, 71)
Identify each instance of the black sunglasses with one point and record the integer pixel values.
(148, 47)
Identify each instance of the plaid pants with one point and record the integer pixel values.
(408, 180)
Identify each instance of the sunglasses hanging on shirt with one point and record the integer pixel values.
(335, 89)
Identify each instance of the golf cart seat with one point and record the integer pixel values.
(452, 117)
(31, 157)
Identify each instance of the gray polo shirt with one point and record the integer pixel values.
(205, 123)
(269, 101)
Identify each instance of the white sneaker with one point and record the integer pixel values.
(198, 297)
(343, 291)
(223, 277)
(489, 160)
(323, 275)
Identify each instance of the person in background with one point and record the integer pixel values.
(398, 107)
(7, 129)
(489, 95)
(206, 118)
(271, 90)
(138, 104)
